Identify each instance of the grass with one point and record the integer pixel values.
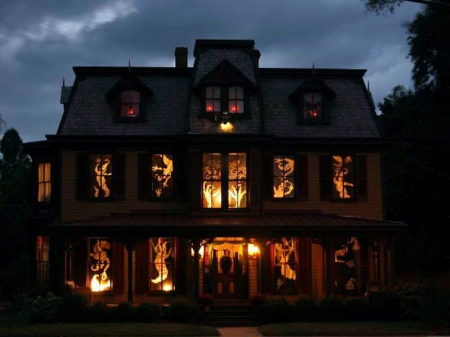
(402, 328)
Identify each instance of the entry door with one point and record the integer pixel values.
(226, 272)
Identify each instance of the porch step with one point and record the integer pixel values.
(229, 314)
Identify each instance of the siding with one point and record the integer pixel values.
(317, 271)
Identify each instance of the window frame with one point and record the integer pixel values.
(292, 176)
(124, 103)
(146, 176)
(224, 182)
(225, 99)
(46, 184)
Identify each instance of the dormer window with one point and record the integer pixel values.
(213, 99)
(312, 105)
(129, 102)
(224, 98)
(236, 100)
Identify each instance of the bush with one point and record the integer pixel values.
(277, 310)
(386, 305)
(306, 309)
(148, 312)
(332, 308)
(72, 308)
(182, 310)
(411, 294)
(257, 300)
(205, 300)
(357, 309)
(123, 312)
(43, 309)
(99, 312)
(434, 307)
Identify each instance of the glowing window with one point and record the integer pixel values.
(285, 262)
(236, 100)
(101, 173)
(224, 183)
(283, 176)
(130, 101)
(162, 180)
(312, 105)
(100, 265)
(44, 182)
(162, 263)
(213, 99)
(42, 260)
(343, 177)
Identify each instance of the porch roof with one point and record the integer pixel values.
(231, 225)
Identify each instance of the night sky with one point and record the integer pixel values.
(41, 40)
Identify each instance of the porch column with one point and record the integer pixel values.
(196, 247)
(130, 245)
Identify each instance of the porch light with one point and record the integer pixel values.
(222, 117)
(253, 250)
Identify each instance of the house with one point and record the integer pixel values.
(222, 178)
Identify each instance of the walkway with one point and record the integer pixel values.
(239, 332)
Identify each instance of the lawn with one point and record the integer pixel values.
(402, 328)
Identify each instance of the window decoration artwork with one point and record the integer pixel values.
(130, 101)
(42, 260)
(213, 99)
(161, 263)
(345, 266)
(162, 170)
(101, 172)
(233, 168)
(283, 176)
(285, 263)
(44, 182)
(343, 177)
(312, 105)
(99, 265)
(236, 100)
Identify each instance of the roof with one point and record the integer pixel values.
(267, 224)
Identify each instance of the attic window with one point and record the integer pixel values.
(236, 100)
(213, 99)
(312, 105)
(130, 101)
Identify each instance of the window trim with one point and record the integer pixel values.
(225, 100)
(44, 182)
(145, 176)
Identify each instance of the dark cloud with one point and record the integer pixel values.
(41, 40)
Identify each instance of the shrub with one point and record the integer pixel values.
(306, 309)
(148, 312)
(72, 308)
(257, 300)
(411, 294)
(99, 312)
(182, 310)
(331, 308)
(205, 300)
(123, 312)
(386, 305)
(277, 310)
(43, 309)
(357, 309)
(434, 306)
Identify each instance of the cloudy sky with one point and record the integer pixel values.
(41, 40)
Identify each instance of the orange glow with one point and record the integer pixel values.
(167, 286)
(226, 127)
(131, 111)
(253, 250)
(314, 113)
(99, 284)
(209, 108)
(233, 108)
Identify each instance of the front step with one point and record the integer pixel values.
(229, 314)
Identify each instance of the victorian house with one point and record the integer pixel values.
(222, 178)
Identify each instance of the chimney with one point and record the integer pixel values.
(181, 57)
(257, 55)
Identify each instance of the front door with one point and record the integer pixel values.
(226, 272)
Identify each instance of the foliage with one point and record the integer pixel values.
(43, 309)
(205, 299)
(182, 310)
(332, 308)
(123, 312)
(257, 300)
(386, 305)
(148, 312)
(277, 309)
(306, 309)
(73, 308)
(382, 6)
(99, 312)
(357, 309)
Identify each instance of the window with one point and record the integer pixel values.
(42, 260)
(285, 257)
(100, 264)
(312, 105)
(283, 176)
(219, 99)
(44, 182)
(162, 263)
(343, 177)
(162, 170)
(129, 103)
(101, 176)
(224, 183)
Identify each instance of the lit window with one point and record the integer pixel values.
(162, 180)
(101, 173)
(343, 177)
(213, 99)
(346, 265)
(283, 176)
(100, 265)
(285, 259)
(130, 100)
(233, 168)
(236, 100)
(161, 264)
(312, 105)
(44, 182)
(42, 260)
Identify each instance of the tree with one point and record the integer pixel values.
(385, 6)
